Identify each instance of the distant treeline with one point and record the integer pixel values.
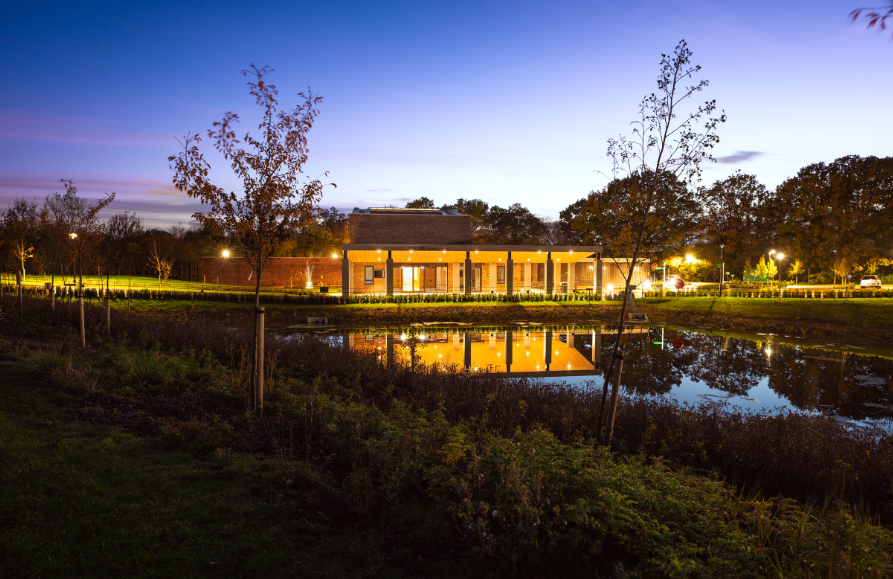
(830, 220)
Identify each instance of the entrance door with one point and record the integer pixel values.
(407, 278)
(476, 270)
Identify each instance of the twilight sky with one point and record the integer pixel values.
(503, 101)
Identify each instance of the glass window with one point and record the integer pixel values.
(370, 274)
(500, 274)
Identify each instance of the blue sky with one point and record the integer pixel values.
(503, 101)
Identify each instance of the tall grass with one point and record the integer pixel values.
(809, 458)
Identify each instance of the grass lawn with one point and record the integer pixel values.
(80, 500)
(863, 312)
(132, 282)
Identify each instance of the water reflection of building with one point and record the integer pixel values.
(521, 353)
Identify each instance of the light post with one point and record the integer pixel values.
(778, 258)
(722, 277)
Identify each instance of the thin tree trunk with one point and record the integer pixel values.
(108, 303)
(81, 308)
(258, 347)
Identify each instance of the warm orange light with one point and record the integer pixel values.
(225, 252)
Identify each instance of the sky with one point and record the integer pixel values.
(502, 101)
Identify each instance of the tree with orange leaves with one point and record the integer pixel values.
(274, 203)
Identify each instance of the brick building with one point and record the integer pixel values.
(430, 251)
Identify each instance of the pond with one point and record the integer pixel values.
(757, 372)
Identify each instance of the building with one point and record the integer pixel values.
(404, 251)
(429, 250)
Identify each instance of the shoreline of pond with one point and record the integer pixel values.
(502, 314)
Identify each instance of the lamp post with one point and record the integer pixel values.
(778, 258)
(722, 277)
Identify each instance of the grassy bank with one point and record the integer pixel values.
(859, 320)
(475, 474)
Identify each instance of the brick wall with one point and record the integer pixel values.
(289, 272)
(422, 229)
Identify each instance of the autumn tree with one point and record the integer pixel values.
(612, 218)
(274, 202)
(842, 209)
(796, 269)
(671, 134)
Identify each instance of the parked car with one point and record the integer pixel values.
(870, 281)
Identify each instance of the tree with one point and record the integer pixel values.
(514, 225)
(21, 226)
(666, 138)
(771, 269)
(420, 203)
(762, 269)
(738, 215)
(336, 222)
(796, 269)
(77, 221)
(274, 202)
(842, 209)
(878, 18)
(477, 210)
(161, 264)
(844, 267)
(612, 218)
(117, 233)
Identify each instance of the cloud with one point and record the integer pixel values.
(379, 190)
(739, 157)
(168, 191)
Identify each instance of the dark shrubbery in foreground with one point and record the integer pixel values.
(510, 461)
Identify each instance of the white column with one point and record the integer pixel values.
(493, 341)
(571, 279)
(455, 283)
(570, 338)
(527, 276)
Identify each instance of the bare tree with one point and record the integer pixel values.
(160, 263)
(274, 203)
(21, 224)
(671, 136)
(117, 232)
(77, 221)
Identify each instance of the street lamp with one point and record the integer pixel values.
(722, 277)
(225, 254)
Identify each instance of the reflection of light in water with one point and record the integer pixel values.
(422, 336)
(402, 336)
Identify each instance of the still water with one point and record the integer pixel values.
(757, 372)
